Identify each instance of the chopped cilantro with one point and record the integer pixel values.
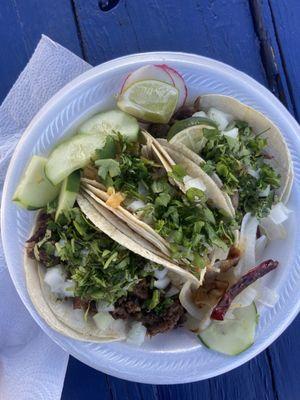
(108, 167)
(109, 150)
(178, 172)
(101, 268)
(232, 158)
(186, 221)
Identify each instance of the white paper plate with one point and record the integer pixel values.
(176, 357)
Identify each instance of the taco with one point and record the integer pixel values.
(89, 287)
(246, 151)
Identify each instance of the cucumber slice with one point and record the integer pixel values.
(34, 190)
(232, 336)
(114, 121)
(187, 123)
(71, 155)
(68, 193)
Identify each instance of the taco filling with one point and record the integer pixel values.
(187, 221)
(101, 277)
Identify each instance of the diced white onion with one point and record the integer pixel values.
(68, 288)
(196, 183)
(253, 173)
(219, 117)
(136, 205)
(103, 321)
(232, 133)
(279, 213)
(119, 326)
(160, 273)
(272, 225)
(55, 278)
(247, 244)
(136, 334)
(142, 189)
(172, 291)
(260, 246)
(266, 192)
(162, 283)
(271, 230)
(104, 306)
(200, 114)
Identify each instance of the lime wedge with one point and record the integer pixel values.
(149, 100)
(192, 137)
(188, 122)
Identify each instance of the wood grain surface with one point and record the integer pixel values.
(259, 37)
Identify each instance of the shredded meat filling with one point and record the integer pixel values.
(131, 307)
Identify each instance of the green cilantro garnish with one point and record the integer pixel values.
(178, 172)
(232, 159)
(187, 221)
(108, 167)
(101, 268)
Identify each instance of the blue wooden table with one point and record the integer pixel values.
(259, 37)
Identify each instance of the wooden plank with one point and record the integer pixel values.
(209, 28)
(21, 26)
(284, 356)
(252, 381)
(83, 382)
(271, 53)
(285, 15)
(278, 29)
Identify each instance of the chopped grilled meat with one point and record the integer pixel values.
(232, 259)
(171, 318)
(30, 249)
(133, 306)
(46, 259)
(251, 276)
(235, 200)
(127, 307)
(39, 233)
(266, 155)
(141, 290)
(258, 233)
(90, 172)
(183, 113)
(187, 111)
(197, 104)
(81, 304)
(159, 130)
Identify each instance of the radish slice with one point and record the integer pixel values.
(124, 83)
(148, 72)
(178, 82)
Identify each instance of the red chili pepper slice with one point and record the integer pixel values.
(251, 276)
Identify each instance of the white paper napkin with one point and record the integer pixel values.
(32, 367)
